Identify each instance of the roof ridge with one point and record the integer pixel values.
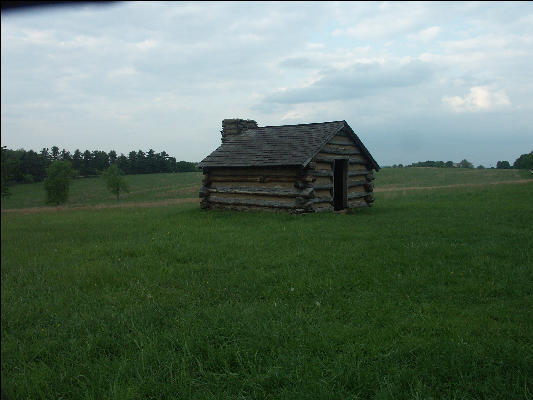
(311, 123)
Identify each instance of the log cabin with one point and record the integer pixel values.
(296, 168)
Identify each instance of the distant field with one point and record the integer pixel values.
(92, 191)
(159, 187)
(428, 294)
(412, 177)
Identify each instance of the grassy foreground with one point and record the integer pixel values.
(429, 294)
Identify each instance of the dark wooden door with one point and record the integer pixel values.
(340, 179)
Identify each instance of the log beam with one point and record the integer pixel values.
(358, 195)
(321, 173)
(358, 173)
(340, 152)
(241, 178)
(277, 192)
(339, 143)
(357, 204)
(323, 187)
(252, 202)
(360, 162)
(356, 183)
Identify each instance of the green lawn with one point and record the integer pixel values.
(428, 294)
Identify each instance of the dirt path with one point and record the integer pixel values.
(170, 202)
(396, 189)
(144, 204)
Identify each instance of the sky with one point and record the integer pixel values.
(416, 81)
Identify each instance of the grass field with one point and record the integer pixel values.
(160, 187)
(425, 177)
(429, 294)
(93, 191)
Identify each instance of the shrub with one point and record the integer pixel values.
(115, 182)
(28, 178)
(58, 182)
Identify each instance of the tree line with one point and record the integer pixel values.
(438, 164)
(525, 161)
(23, 166)
(441, 164)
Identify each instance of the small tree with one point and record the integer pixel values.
(58, 182)
(115, 181)
(503, 165)
(466, 164)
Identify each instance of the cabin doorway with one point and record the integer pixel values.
(340, 179)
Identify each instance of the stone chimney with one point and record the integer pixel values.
(234, 127)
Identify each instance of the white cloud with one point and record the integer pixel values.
(34, 36)
(355, 81)
(480, 98)
(371, 21)
(477, 43)
(250, 37)
(293, 115)
(66, 81)
(312, 45)
(84, 41)
(120, 72)
(147, 44)
(425, 35)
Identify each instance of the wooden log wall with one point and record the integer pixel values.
(359, 178)
(257, 188)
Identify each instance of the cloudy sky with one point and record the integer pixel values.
(416, 81)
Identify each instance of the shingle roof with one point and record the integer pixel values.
(286, 145)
